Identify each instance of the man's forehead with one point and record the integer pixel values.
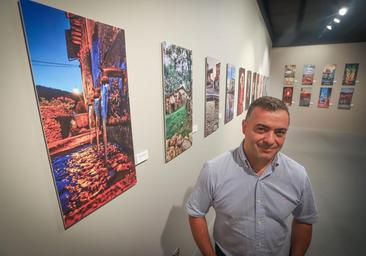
(265, 117)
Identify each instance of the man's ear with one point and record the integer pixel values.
(244, 125)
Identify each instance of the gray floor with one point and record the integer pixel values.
(333, 161)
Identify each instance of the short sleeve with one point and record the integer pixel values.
(201, 198)
(306, 211)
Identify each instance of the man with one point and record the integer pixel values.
(254, 189)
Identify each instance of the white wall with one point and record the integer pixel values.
(149, 219)
(332, 119)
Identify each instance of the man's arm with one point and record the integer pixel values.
(200, 234)
(300, 237)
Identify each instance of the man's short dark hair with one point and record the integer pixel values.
(268, 103)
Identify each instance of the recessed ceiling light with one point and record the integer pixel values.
(329, 27)
(336, 20)
(342, 11)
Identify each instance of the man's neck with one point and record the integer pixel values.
(256, 164)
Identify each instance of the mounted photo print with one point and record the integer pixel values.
(177, 85)
(350, 74)
(329, 74)
(345, 98)
(308, 74)
(248, 89)
(305, 96)
(287, 95)
(212, 92)
(230, 93)
(290, 70)
(241, 90)
(80, 76)
(254, 87)
(324, 97)
(260, 86)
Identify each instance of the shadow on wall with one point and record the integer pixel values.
(177, 233)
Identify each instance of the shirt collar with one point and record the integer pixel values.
(246, 163)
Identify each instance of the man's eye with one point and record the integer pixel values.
(280, 133)
(261, 129)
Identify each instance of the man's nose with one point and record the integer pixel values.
(269, 138)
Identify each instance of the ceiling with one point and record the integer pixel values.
(303, 22)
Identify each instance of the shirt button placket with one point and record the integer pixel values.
(259, 218)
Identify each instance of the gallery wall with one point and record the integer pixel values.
(332, 119)
(149, 218)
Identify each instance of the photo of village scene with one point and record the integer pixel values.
(328, 74)
(290, 74)
(287, 95)
(80, 76)
(177, 83)
(308, 74)
(230, 93)
(241, 90)
(305, 96)
(345, 98)
(324, 97)
(212, 90)
(350, 74)
(248, 89)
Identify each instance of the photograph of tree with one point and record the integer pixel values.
(290, 74)
(230, 91)
(248, 89)
(350, 74)
(305, 96)
(241, 90)
(345, 98)
(324, 97)
(177, 85)
(308, 74)
(80, 77)
(212, 92)
(329, 74)
(287, 95)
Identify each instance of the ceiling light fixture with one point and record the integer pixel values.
(329, 27)
(342, 11)
(336, 20)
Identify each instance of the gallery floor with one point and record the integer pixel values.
(334, 164)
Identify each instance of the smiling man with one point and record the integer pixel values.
(254, 189)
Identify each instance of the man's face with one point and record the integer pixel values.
(265, 133)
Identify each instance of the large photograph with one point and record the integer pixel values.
(241, 90)
(177, 83)
(230, 92)
(80, 76)
(350, 74)
(328, 74)
(212, 92)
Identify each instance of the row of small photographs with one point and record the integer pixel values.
(328, 75)
(178, 86)
(344, 101)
